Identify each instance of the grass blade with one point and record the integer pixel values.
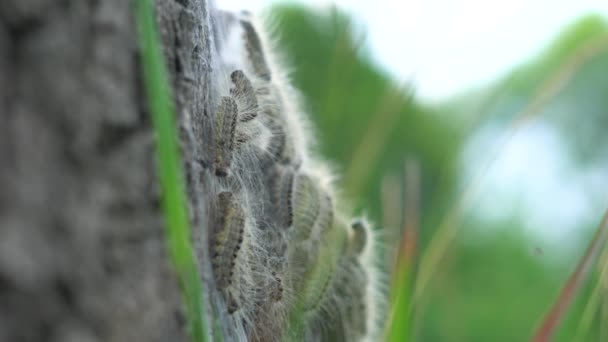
(170, 171)
(594, 302)
(555, 315)
(399, 328)
(449, 227)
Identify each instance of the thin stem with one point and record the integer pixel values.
(555, 315)
(170, 171)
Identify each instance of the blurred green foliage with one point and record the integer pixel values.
(494, 288)
(364, 122)
(565, 85)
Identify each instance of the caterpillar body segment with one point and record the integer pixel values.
(226, 120)
(255, 53)
(358, 237)
(302, 205)
(282, 197)
(307, 207)
(244, 95)
(319, 277)
(280, 147)
(351, 283)
(226, 242)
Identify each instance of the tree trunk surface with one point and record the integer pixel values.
(82, 249)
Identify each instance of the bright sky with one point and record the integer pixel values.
(533, 177)
(447, 46)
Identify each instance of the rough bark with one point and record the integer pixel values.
(82, 251)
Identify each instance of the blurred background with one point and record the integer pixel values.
(477, 130)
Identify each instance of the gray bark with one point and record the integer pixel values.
(82, 249)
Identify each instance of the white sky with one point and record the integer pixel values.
(447, 46)
(534, 178)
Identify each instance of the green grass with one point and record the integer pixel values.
(398, 329)
(552, 320)
(171, 173)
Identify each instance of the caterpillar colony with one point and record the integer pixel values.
(287, 261)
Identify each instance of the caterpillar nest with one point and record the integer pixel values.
(286, 262)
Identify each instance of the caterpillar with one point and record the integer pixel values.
(226, 241)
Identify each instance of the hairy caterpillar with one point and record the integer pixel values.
(225, 126)
(280, 242)
(226, 241)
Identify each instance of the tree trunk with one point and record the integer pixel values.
(82, 249)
